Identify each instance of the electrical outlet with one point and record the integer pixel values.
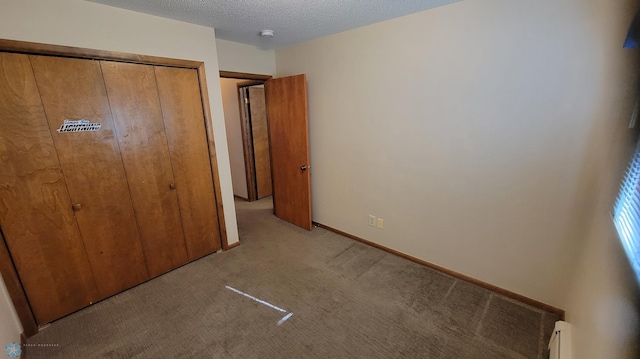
(380, 222)
(372, 220)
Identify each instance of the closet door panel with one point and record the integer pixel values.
(133, 96)
(73, 89)
(35, 208)
(184, 121)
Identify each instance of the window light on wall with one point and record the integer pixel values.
(626, 213)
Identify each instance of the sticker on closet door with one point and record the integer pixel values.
(79, 126)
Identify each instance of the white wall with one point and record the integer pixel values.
(233, 56)
(84, 24)
(465, 127)
(233, 125)
(603, 305)
(10, 327)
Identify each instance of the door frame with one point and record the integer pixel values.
(7, 268)
(245, 128)
(248, 149)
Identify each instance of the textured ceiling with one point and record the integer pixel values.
(292, 21)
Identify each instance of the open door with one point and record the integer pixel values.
(289, 142)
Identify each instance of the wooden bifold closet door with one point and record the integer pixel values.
(35, 207)
(137, 114)
(89, 214)
(184, 120)
(74, 89)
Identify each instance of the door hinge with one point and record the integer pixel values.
(246, 100)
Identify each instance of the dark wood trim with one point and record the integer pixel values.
(273, 188)
(212, 154)
(244, 76)
(466, 278)
(247, 148)
(240, 197)
(251, 83)
(16, 291)
(233, 245)
(77, 52)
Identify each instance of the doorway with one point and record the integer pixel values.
(247, 136)
(267, 133)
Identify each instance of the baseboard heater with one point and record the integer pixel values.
(560, 343)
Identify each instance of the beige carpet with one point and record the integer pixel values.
(348, 301)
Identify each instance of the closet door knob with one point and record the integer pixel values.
(76, 207)
(172, 186)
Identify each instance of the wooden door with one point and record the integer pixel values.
(183, 114)
(260, 135)
(35, 209)
(289, 140)
(73, 89)
(133, 96)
